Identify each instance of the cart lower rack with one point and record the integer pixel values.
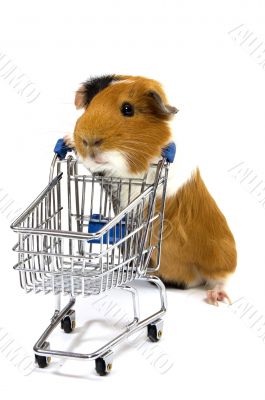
(89, 233)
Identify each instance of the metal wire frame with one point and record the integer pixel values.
(57, 254)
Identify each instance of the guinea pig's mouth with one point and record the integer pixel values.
(95, 163)
(111, 162)
(99, 159)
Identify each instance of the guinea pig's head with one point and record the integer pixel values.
(124, 125)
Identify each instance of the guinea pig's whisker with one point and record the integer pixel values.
(131, 160)
(128, 158)
(133, 142)
(138, 150)
(142, 150)
(131, 157)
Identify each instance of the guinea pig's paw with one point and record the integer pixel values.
(217, 294)
(69, 141)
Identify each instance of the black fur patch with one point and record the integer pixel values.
(94, 85)
(171, 284)
(175, 285)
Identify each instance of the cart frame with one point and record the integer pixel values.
(44, 266)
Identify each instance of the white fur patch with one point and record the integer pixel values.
(122, 81)
(115, 164)
(180, 171)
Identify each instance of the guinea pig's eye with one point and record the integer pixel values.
(85, 142)
(127, 110)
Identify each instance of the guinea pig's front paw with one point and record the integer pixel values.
(217, 294)
(69, 141)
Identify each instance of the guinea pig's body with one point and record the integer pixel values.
(123, 129)
(198, 246)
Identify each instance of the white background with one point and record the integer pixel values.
(219, 87)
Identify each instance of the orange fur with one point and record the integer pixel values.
(139, 137)
(198, 245)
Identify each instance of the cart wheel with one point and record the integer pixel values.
(42, 361)
(104, 363)
(155, 330)
(102, 367)
(68, 323)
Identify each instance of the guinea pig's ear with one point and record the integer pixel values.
(80, 97)
(91, 88)
(159, 107)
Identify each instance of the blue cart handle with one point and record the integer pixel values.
(61, 150)
(169, 152)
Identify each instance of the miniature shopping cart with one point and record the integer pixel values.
(88, 233)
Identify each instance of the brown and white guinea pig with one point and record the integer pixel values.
(124, 126)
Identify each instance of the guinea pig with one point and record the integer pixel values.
(123, 129)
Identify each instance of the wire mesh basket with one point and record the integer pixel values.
(85, 234)
(88, 233)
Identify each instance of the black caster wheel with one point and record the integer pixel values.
(68, 323)
(104, 364)
(155, 330)
(42, 361)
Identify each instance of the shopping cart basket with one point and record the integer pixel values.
(88, 233)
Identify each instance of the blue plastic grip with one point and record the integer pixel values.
(116, 233)
(61, 149)
(169, 152)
